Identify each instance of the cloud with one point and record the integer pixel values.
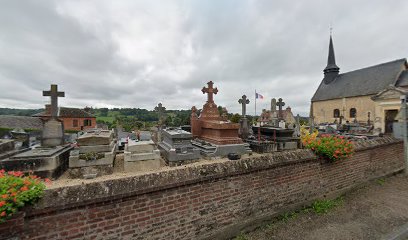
(138, 53)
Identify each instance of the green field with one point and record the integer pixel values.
(105, 119)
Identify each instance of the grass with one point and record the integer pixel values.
(106, 119)
(380, 181)
(324, 206)
(241, 236)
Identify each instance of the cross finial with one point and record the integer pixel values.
(210, 91)
(243, 101)
(331, 28)
(54, 94)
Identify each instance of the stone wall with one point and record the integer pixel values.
(323, 110)
(208, 201)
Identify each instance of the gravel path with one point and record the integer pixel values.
(372, 212)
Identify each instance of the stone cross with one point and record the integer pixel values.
(160, 110)
(280, 104)
(273, 105)
(243, 101)
(54, 94)
(210, 91)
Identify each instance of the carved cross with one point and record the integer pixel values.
(54, 94)
(280, 104)
(243, 101)
(160, 110)
(210, 91)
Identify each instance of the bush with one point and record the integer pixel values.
(17, 190)
(329, 147)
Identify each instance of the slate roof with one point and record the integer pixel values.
(67, 112)
(23, 122)
(365, 81)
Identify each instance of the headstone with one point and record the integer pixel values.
(94, 155)
(176, 147)
(51, 159)
(244, 128)
(160, 111)
(215, 137)
(53, 131)
(280, 105)
(141, 156)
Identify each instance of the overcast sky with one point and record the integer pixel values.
(138, 53)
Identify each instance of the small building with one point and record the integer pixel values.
(368, 96)
(73, 118)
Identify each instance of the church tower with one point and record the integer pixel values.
(332, 70)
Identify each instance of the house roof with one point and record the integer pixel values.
(365, 81)
(67, 112)
(23, 122)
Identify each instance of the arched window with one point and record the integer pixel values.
(336, 113)
(353, 113)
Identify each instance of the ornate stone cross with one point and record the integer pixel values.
(54, 94)
(160, 110)
(280, 104)
(210, 91)
(243, 101)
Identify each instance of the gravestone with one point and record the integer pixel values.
(215, 137)
(141, 156)
(280, 105)
(176, 147)
(94, 155)
(244, 128)
(51, 159)
(160, 111)
(274, 114)
(53, 131)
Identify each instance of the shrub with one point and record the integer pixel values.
(329, 147)
(17, 190)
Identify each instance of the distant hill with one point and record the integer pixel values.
(19, 112)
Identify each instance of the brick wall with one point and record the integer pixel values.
(210, 201)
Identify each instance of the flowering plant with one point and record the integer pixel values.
(332, 148)
(17, 190)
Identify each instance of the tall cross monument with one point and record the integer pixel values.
(160, 110)
(54, 94)
(53, 130)
(210, 90)
(243, 131)
(243, 101)
(280, 105)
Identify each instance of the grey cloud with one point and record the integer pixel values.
(139, 53)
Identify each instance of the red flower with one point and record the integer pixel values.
(2, 214)
(4, 196)
(2, 203)
(25, 188)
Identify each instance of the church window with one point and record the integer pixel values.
(336, 113)
(75, 123)
(353, 113)
(87, 122)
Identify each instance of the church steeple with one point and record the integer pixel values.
(332, 70)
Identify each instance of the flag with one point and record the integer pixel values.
(257, 95)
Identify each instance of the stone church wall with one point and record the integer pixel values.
(210, 201)
(323, 110)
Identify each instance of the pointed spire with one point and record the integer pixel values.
(332, 70)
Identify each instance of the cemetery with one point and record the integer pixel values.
(211, 160)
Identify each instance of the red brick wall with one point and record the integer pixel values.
(69, 123)
(211, 201)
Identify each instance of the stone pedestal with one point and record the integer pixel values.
(176, 147)
(53, 134)
(43, 162)
(141, 156)
(283, 138)
(94, 155)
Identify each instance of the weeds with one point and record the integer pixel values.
(323, 206)
(381, 181)
(241, 236)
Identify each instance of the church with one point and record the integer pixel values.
(369, 95)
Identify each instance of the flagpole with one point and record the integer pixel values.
(255, 103)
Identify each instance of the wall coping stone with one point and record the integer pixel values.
(107, 190)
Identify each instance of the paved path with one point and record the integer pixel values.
(377, 211)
